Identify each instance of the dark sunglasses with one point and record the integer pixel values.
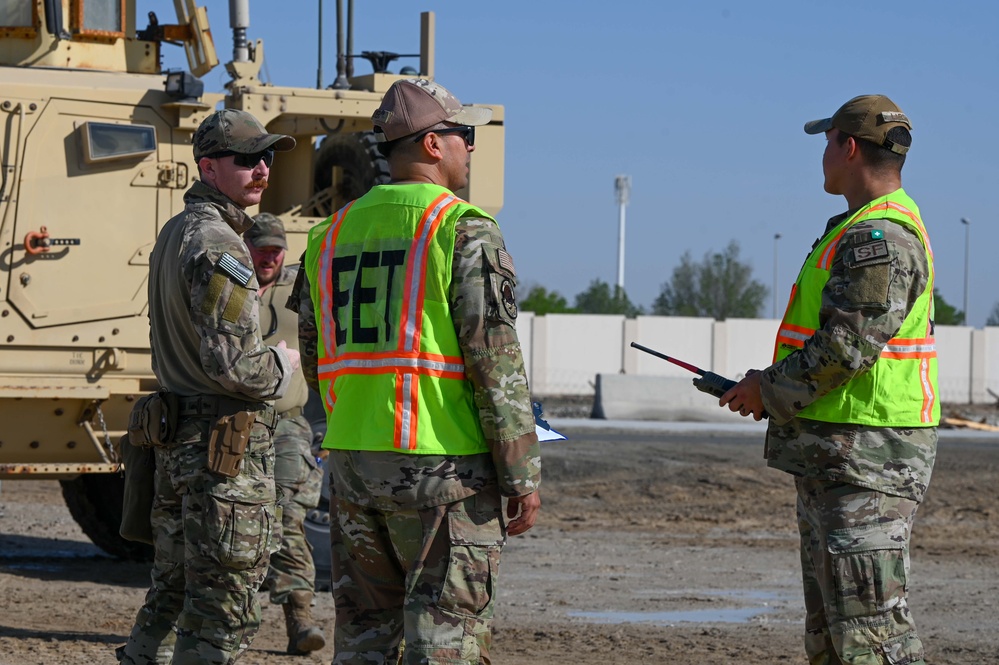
(467, 133)
(245, 160)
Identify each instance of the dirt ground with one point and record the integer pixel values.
(652, 548)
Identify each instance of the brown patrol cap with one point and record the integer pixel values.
(232, 130)
(267, 231)
(867, 117)
(412, 105)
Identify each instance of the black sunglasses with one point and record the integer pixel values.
(247, 160)
(467, 133)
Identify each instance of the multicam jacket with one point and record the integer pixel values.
(278, 324)
(204, 322)
(854, 328)
(483, 310)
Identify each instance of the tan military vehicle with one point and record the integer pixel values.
(96, 157)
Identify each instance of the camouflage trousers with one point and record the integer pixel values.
(855, 570)
(299, 481)
(212, 538)
(427, 576)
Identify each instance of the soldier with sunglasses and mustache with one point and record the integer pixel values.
(214, 517)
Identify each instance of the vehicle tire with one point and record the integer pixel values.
(363, 167)
(94, 501)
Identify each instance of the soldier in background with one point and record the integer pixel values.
(430, 421)
(292, 576)
(214, 516)
(853, 397)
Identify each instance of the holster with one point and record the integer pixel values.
(153, 420)
(137, 502)
(228, 439)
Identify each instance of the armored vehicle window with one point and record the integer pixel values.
(99, 17)
(104, 141)
(17, 14)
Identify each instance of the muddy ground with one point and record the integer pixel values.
(652, 548)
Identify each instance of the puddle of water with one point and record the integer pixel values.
(738, 594)
(720, 615)
(762, 599)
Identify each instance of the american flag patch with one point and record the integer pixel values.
(506, 261)
(232, 267)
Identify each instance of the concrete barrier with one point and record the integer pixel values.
(630, 397)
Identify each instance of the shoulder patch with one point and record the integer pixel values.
(870, 252)
(232, 267)
(506, 261)
(509, 298)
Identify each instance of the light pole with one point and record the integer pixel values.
(622, 191)
(967, 252)
(776, 238)
(319, 69)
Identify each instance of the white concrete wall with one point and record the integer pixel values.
(954, 361)
(990, 363)
(686, 338)
(746, 344)
(525, 326)
(565, 352)
(571, 349)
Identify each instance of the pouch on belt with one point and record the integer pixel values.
(153, 420)
(137, 503)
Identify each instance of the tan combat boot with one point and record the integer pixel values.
(303, 633)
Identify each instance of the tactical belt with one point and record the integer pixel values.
(291, 413)
(212, 405)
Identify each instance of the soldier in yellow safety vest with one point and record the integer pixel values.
(407, 316)
(852, 394)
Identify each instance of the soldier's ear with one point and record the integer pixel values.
(432, 145)
(206, 165)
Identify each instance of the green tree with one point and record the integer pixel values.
(541, 301)
(993, 319)
(720, 286)
(600, 298)
(946, 314)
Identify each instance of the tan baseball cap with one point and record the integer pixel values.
(232, 130)
(267, 231)
(412, 105)
(867, 117)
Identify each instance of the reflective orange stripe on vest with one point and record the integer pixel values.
(387, 362)
(921, 349)
(793, 335)
(407, 361)
(929, 396)
(907, 349)
(326, 294)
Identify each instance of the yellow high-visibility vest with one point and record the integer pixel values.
(391, 371)
(900, 390)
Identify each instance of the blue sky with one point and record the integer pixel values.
(702, 104)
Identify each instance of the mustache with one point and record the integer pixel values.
(254, 184)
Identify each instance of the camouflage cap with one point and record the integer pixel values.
(267, 231)
(412, 105)
(231, 130)
(867, 117)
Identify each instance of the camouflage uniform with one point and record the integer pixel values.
(291, 579)
(416, 539)
(213, 535)
(858, 486)
(296, 472)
